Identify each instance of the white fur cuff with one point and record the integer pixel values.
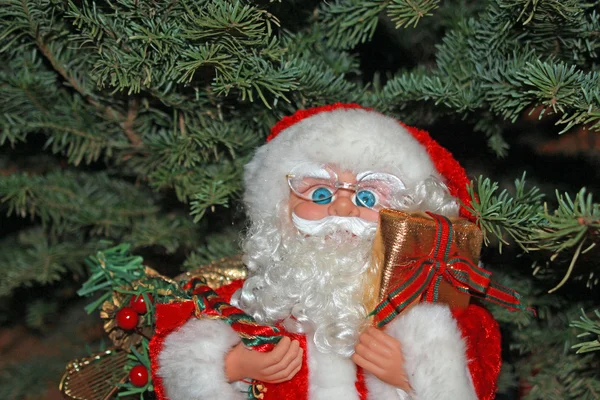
(435, 357)
(192, 362)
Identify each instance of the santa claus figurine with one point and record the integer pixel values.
(312, 194)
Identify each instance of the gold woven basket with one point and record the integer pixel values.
(95, 377)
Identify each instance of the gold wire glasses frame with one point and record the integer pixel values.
(374, 190)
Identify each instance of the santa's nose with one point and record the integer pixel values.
(343, 207)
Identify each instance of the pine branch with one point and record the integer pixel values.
(545, 365)
(488, 64)
(560, 376)
(349, 23)
(569, 92)
(591, 328)
(574, 221)
(39, 312)
(409, 12)
(125, 120)
(170, 232)
(573, 227)
(311, 46)
(228, 43)
(68, 201)
(49, 52)
(47, 40)
(75, 84)
(30, 259)
(216, 246)
(71, 125)
(128, 124)
(244, 24)
(492, 128)
(218, 187)
(259, 78)
(318, 84)
(502, 214)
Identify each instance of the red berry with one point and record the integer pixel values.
(139, 303)
(138, 376)
(127, 318)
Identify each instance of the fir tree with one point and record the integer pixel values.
(130, 121)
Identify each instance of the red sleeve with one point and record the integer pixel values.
(482, 335)
(169, 317)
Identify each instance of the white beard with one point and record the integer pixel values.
(312, 284)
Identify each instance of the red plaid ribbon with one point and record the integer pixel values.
(209, 304)
(441, 263)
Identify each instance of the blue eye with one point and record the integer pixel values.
(322, 195)
(366, 198)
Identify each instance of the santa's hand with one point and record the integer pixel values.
(380, 354)
(278, 365)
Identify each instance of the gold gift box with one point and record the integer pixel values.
(403, 238)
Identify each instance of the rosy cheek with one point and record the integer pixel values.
(369, 215)
(310, 210)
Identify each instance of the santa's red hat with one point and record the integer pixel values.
(353, 138)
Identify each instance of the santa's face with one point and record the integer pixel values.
(325, 199)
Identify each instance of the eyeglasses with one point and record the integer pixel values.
(319, 184)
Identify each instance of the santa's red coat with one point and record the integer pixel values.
(187, 358)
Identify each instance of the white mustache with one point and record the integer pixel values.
(322, 227)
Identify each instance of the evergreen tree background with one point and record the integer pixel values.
(130, 121)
